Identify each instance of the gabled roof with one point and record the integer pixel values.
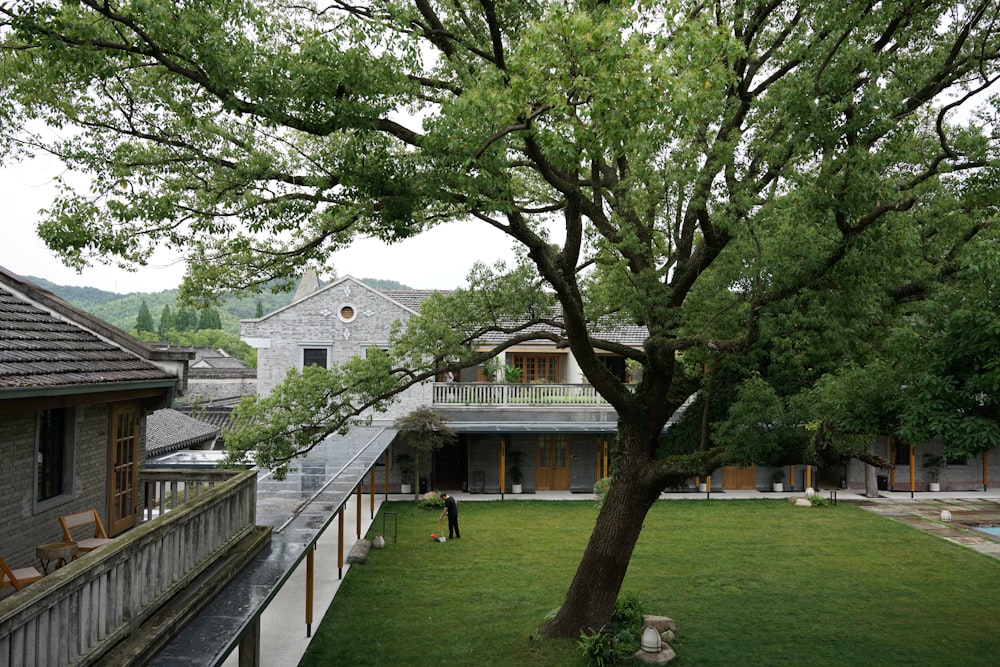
(48, 345)
(411, 299)
(168, 430)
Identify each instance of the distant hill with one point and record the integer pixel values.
(121, 310)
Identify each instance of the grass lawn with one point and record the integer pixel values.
(755, 582)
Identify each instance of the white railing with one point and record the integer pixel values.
(77, 613)
(502, 393)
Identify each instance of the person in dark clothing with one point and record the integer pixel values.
(451, 509)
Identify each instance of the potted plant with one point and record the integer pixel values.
(405, 464)
(933, 464)
(515, 472)
(778, 481)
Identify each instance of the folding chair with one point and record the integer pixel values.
(18, 578)
(87, 517)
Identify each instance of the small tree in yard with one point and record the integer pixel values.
(424, 431)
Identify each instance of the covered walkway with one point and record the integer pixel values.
(306, 510)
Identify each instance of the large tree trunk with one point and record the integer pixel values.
(591, 598)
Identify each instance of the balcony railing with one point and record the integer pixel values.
(500, 394)
(79, 612)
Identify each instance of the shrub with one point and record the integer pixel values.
(818, 501)
(431, 501)
(618, 641)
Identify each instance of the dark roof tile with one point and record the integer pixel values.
(37, 349)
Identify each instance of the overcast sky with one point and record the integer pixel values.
(438, 259)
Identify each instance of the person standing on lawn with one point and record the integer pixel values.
(451, 509)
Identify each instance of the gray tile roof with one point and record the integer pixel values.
(624, 334)
(40, 350)
(168, 430)
(411, 298)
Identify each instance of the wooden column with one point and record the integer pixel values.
(913, 478)
(371, 493)
(359, 503)
(340, 542)
(986, 471)
(310, 565)
(808, 476)
(250, 646)
(385, 486)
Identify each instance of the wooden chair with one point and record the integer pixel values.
(18, 578)
(87, 517)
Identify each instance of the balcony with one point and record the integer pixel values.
(498, 394)
(122, 601)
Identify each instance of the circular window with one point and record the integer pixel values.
(347, 313)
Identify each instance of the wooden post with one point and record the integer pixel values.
(708, 485)
(808, 476)
(359, 503)
(986, 471)
(310, 564)
(791, 477)
(503, 464)
(385, 486)
(340, 542)
(371, 493)
(605, 458)
(913, 478)
(250, 646)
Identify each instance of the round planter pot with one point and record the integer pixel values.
(703, 487)
(515, 488)
(405, 488)
(934, 486)
(778, 487)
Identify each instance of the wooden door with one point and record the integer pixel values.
(735, 478)
(124, 483)
(552, 463)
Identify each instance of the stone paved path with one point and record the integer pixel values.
(925, 514)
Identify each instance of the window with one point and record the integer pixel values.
(616, 365)
(53, 473)
(347, 313)
(314, 356)
(538, 367)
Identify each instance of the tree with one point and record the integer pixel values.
(424, 431)
(166, 321)
(757, 183)
(144, 321)
(187, 319)
(209, 319)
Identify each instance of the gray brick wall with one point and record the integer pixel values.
(315, 322)
(201, 390)
(23, 525)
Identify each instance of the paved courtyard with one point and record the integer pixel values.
(925, 514)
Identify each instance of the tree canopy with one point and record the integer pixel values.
(790, 196)
(144, 320)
